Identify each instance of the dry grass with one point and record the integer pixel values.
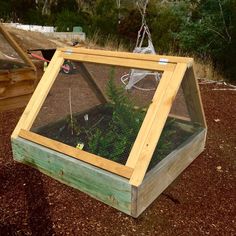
(206, 70)
(111, 42)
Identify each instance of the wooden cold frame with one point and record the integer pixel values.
(16, 85)
(177, 71)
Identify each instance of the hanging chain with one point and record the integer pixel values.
(142, 6)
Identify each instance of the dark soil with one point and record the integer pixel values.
(99, 117)
(201, 201)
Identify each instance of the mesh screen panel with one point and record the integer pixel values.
(73, 113)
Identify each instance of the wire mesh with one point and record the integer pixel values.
(74, 113)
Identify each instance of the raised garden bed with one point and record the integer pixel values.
(155, 156)
(18, 77)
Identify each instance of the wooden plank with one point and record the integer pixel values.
(13, 87)
(100, 184)
(123, 62)
(3, 77)
(161, 176)
(14, 102)
(15, 45)
(157, 125)
(17, 89)
(150, 116)
(18, 75)
(125, 55)
(39, 95)
(17, 83)
(92, 159)
(92, 83)
(193, 98)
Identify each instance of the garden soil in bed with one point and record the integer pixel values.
(78, 131)
(201, 201)
(99, 117)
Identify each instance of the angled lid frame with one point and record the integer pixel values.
(176, 70)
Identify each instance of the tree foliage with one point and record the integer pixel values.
(206, 28)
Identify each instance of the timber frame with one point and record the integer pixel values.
(125, 187)
(16, 85)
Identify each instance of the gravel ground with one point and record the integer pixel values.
(201, 201)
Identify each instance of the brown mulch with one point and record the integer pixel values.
(201, 201)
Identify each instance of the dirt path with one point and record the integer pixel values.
(201, 201)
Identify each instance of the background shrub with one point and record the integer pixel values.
(202, 28)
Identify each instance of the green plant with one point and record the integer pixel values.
(73, 125)
(33, 16)
(163, 22)
(116, 141)
(164, 145)
(113, 136)
(104, 18)
(208, 30)
(68, 19)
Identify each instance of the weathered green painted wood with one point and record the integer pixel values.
(107, 187)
